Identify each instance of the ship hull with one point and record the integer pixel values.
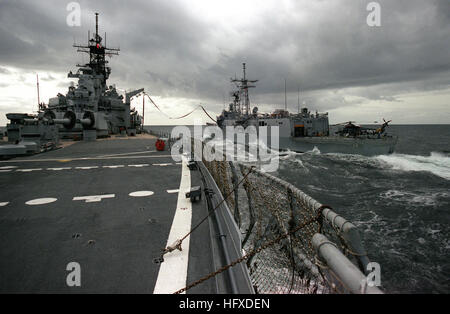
(367, 145)
(330, 144)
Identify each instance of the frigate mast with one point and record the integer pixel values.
(243, 85)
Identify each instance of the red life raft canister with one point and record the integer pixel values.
(160, 144)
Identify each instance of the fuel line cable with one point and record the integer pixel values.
(180, 117)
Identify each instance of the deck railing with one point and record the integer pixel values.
(302, 245)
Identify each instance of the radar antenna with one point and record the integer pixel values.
(97, 52)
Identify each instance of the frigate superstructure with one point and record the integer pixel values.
(305, 130)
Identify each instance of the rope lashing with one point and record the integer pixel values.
(177, 244)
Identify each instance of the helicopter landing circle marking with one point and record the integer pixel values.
(141, 193)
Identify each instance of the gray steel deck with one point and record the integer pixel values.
(114, 240)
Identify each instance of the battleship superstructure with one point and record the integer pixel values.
(305, 131)
(89, 110)
(92, 108)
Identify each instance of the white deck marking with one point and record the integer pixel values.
(41, 201)
(4, 204)
(132, 153)
(172, 274)
(29, 170)
(82, 158)
(141, 193)
(173, 191)
(8, 167)
(93, 198)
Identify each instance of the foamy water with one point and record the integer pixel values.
(437, 163)
(400, 204)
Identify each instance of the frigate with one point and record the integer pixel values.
(305, 131)
(115, 215)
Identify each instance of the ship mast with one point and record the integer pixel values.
(96, 25)
(97, 52)
(37, 85)
(243, 86)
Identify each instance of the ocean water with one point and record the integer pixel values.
(400, 203)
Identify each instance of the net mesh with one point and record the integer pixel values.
(265, 207)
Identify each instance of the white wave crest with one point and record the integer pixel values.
(314, 151)
(436, 163)
(419, 198)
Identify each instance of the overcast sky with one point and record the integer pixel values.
(183, 52)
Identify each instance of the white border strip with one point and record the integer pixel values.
(172, 274)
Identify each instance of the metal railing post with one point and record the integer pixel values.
(348, 273)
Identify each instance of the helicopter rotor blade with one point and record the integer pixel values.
(342, 123)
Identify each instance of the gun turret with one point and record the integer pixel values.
(88, 120)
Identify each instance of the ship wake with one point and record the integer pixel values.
(437, 163)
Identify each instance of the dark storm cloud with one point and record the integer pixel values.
(315, 45)
(337, 48)
(35, 34)
(31, 36)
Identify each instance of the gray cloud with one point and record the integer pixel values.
(4, 71)
(47, 78)
(171, 51)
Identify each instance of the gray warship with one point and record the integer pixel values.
(306, 131)
(88, 111)
(115, 215)
(92, 108)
